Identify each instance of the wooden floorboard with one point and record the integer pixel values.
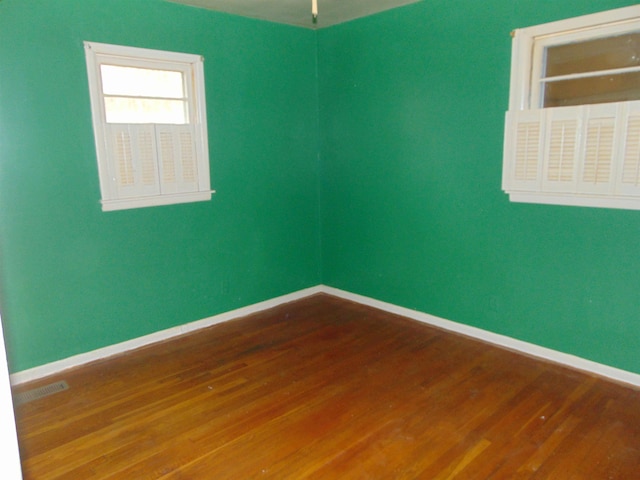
(324, 388)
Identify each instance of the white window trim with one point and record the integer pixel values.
(192, 66)
(524, 109)
(523, 65)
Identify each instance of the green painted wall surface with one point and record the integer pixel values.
(75, 278)
(410, 124)
(412, 104)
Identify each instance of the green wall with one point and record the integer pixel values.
(404, 205)
(412, 104)
(74, 278)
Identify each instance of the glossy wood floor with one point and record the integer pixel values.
(324, 389)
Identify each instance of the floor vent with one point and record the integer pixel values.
(40, 392)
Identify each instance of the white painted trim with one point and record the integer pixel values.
(528, 58)
(526, 348)
(147, 53)
(156, 200)
(101, 353)
(494, 338)
(192, 68)
(529, 43)
(577, 200)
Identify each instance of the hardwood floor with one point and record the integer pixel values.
(323, 388)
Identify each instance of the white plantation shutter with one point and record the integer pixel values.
(590, 155)
(133, 149)
(525, 146)
(629, 178)
(153, 159)
(598, 149)
(177, 158)
(561, 150)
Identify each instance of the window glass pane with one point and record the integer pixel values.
(593, 55)
(144, 110)
(602, 89)
(141, 82)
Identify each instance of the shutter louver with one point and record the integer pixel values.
(168, 155)
(124, 158)
(527, 151)
(147, 158)
(188, 156)
(178, 159)
(630, 175)
(631, 170)
(525, 148)
(561, 150)
(135, 167)
(598, 149)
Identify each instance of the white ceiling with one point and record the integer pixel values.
(298, 12)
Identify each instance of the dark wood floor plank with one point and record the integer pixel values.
(325, 388)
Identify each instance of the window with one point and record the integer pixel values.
(149, 121)
(572, 133)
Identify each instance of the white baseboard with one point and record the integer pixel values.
(526, 348)
(478, 333)
(101, 353)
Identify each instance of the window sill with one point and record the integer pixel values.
(154, 201)
(576, 200)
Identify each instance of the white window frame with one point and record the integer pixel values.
(184, 148)
(529, 128)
